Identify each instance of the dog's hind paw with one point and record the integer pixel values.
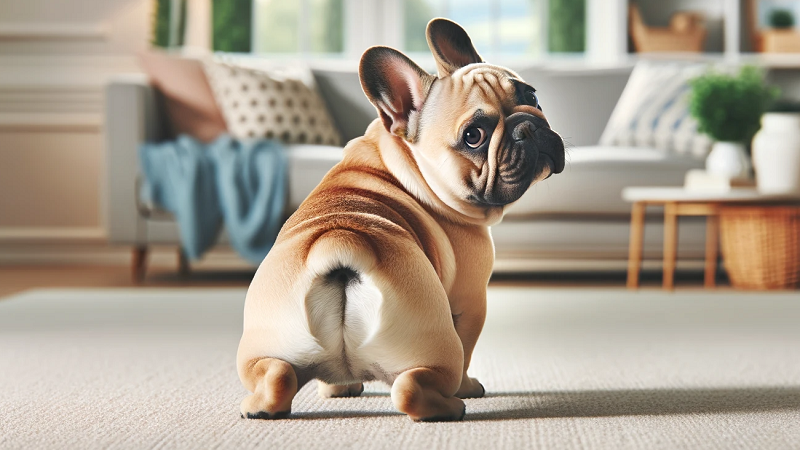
(445, 418)
(263, 415)
(470, 388)
(255, 407)
(326, 390)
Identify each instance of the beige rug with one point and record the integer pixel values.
(564, 369)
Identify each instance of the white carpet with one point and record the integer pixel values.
(563, 369)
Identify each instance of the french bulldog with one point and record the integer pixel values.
(381, 273)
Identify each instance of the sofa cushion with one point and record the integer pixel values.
(653, 110)
(308, 164)
(189, 101)
(260, 104)
(594, 177)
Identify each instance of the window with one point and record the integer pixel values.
(517, 28)
(231, 24)
(301, 26)
(497, 27)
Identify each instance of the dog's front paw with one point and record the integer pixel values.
(470, 388)
(254, 407)
(326, 390)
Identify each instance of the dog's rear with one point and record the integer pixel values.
(356, 302)
(343, 307)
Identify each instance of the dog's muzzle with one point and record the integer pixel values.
(530, 148)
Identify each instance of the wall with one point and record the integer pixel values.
(56, 56)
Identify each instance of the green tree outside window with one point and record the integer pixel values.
(566, 26)
(231, 28)
(233, 25)
(161, 23)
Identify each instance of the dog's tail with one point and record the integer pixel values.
(343, 304)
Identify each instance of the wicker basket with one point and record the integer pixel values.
(686, 33)
(761, 246)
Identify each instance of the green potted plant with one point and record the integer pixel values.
(728, 108)
(781, 19)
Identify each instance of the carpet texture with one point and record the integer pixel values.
(563, 369)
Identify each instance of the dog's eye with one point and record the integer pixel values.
(474, 136)
(532, 99)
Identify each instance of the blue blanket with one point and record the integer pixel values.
(240, 184)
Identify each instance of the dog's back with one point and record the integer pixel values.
(358, 206)
(358, 222)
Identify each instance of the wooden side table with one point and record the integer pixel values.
(676, 202)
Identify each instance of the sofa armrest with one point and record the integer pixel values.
(134, 114)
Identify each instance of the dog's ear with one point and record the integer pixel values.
(451, 46)
(396, 86)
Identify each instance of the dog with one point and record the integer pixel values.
(381, 273)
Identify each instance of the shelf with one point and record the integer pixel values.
(728, 17)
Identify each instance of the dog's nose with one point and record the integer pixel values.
(534, 134)
(523, 125)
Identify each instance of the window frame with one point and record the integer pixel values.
(381, 22)
(377, 22)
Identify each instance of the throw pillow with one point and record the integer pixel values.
(653, 110)
(189, 102)
(258, 104)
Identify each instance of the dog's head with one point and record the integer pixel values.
(476, 132)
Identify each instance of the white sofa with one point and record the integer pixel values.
(572, 221)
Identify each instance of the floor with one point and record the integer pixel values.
(14, 279)
(599, 368)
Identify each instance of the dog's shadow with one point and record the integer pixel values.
(641, 402)
(605, 403)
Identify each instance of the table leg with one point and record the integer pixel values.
(139, 263)
(183, 263)
(670, 243)
(712, 250)
(635, 245)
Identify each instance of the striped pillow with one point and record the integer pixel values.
(653, 110)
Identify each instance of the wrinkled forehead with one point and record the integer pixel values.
(481, 69)
(483, 84)
(493, 82)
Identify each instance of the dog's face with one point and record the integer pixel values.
(476, 132)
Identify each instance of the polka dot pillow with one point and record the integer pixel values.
(268, 105)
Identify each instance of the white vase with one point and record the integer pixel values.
(728, 159)
(776, 154)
